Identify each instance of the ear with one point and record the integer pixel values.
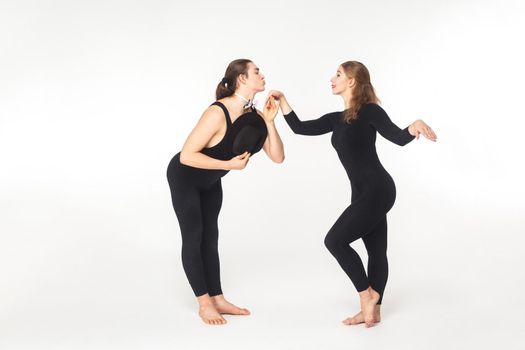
(242, 79)
(351, 82)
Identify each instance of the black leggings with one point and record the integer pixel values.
(361, 221)
(197, 212)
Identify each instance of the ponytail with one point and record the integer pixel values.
(228, 84)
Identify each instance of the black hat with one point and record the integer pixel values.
(248, 134)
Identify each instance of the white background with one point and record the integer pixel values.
(97, 96)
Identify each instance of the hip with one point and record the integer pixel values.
(181, 174)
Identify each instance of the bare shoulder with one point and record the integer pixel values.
(213, 115)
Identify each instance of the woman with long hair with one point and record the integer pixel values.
(373, 190)
(229, 132)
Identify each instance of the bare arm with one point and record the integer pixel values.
(209, 124)
(273, 145)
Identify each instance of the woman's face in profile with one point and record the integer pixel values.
(340, 82)
(254, 78)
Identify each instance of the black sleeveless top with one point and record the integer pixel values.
(247, 133)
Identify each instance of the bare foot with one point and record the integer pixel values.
(359, 318)
(225, 307)
(208, 312)
(369, 299)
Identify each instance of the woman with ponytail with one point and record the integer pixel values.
(373, 190)
(229, 132)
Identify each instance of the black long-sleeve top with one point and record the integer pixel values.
(355, 145)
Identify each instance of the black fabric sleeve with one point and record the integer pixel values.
(319, 126)
(380, 121)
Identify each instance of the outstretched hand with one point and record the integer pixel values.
(281, 99)
(276, 94)
(420, 127)
(271, 107)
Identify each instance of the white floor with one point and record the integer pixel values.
(116, 282)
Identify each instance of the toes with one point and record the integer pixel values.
(239, 311)
(234, 310)
(355, 321)
(214, 321)
(352, 321)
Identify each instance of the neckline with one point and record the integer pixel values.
(228, 125)
(227, 112)
(242, 115)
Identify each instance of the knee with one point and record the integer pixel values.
(331, 242)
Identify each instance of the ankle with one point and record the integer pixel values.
(366, 294)
(205, 300)
(218, 298)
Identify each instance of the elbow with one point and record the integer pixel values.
(279, 160)
(296, 130)
(276, 158)
(184, 158)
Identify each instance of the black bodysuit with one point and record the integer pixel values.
(197, 198)
(373, 190)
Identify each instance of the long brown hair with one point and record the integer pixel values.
(228, 84)
(363, 90)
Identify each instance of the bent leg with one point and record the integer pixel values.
(354, 223)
